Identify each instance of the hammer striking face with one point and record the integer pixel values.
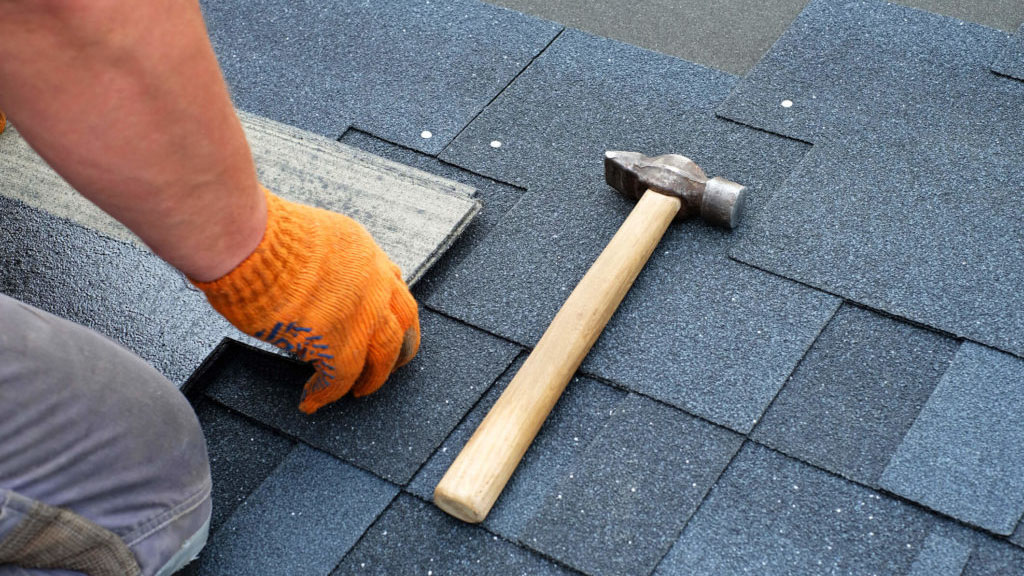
(718, 201)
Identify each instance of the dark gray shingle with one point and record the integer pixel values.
(115, 288)
(964, 455)
(414, 537)
(392, 68)
(941, 556)
(698, 331)
(1011, 60)
(769, 514)
(578, 417)
(909, 200)
(497, 198)
(992, 557)
(856, 393)
(393, 431)
(242, 454)
(620, 507)
(302, 520)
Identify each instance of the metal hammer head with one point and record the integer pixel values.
(716, 200)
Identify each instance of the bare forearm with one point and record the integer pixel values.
(125, 100)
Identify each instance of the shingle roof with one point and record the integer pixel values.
(842, 397)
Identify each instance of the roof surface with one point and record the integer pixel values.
(836, 387)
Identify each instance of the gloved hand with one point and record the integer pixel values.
(319, 287)
(3, 121)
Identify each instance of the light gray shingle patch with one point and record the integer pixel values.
(395, 69)
(769, 514)
(908, 201)
(698, 331)
(301, 520)
(414, 537)
(941, 556)
(732, 37)
(391, 432)
(1011, 61)
(624, 502)
(578, 417)
(964, 455)
(496, 198)
(856, 393)
(413, 215)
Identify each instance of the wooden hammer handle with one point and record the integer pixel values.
(475, 480)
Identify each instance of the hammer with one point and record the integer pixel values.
(668, 187)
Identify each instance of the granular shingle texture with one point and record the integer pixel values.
(850, 66)
(1011, 60)
(769, 514)
(992, 557)
(242, 454)
(413, 216)
(575, 422)
(964, 455)
(395, 69)
(941, 556)
(632, 490)
(856, 393)
(113, 287)
(1018, 535)
(908, 201)
(698, 331)
(731, 37)
(302, 520)
(497, 198)
(391, 432)
(414, 537)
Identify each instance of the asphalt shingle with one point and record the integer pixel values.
(242, 455)
(1011, 60)
(731, 37)
(414, 537)
(964, 455)
(391, 432)
(856, 393)
(941, 556)
(413, 216)
(698, 331)
(576, 420)
(770, 514)
(302, 520)
(497, 198)
(632, 490)
(992, 557)
(111, 286)
(395, 69)
(908, 201)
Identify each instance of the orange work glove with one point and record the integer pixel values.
(3, 121)
(319, 287)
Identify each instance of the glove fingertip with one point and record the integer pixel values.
(410, 346)
(319, 392)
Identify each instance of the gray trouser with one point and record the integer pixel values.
(98, 452)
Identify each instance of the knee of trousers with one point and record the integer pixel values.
(90, 427)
